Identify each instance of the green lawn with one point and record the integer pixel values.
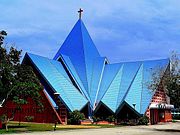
(29, 127)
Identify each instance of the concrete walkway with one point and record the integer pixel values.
(161, 129)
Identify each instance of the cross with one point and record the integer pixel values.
(80, 13)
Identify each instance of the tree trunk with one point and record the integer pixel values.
(6, 120)
(6, 125)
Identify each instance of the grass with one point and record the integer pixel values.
(30, 127)
(174, 120)
(26, 127)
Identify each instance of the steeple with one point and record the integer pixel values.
(78, 41)
(81, 51)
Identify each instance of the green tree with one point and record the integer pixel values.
(75, 117)
(6, 69)
(144, 120)
(17, 81)
(172, 82)
(110, 118)
(169, 80)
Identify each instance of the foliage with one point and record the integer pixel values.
(75, 117)
(2, 34)
(143, 120)
(6, 69)
(175, 113)
(27, 85)
(96, 119)
(168, 80)
(176, 117)
(17, 81)
(29, 118)
(110, 118)
(2, 118)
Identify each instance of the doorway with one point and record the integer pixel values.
(154, 118)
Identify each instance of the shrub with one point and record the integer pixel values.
(176, 117)
(143, 120)
(3, 118)
(3, 121)
(96, 119)
(110, 118)
(29, 118)
(75, 117)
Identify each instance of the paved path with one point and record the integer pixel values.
(161, 129)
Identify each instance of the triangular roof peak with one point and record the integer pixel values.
(81, 51)
(78, 41)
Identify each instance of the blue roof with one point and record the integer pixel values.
(74, 74)
(129, 72)
(111, 96)
(52, 72)
(134, 93)
(81, 50)
(96, 77)
(148, 66)
(109, 74)
(78, 61)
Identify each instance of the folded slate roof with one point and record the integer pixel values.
(82, 76)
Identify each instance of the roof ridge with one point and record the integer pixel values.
(84, 58)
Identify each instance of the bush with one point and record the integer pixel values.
(29, 118)
(3, 117)
(176, 117)
(143, 120)
(3, 120)
(75, 117)
(96, 119)
(110, 118)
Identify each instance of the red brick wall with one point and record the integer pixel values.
(159, 96)
(168, 115)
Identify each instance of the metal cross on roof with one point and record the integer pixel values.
(80, 13)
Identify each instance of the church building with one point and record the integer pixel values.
(79, 78)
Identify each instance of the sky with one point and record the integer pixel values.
(122, 30)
